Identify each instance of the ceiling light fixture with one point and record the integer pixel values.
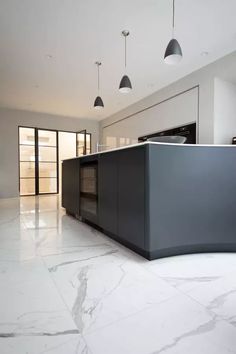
(98, 103)
(125, 83)
(173, 53)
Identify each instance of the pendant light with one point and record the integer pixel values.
(173, 53)
(125, 83)
(98, 103)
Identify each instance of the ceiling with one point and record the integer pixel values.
(48, 49)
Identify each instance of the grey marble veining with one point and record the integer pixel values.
(220, 300)
(179, 281)
(77, 309)
(204, 328)
(26, 334)
(55, 268)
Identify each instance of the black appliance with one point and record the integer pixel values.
(234, 140)
(189, 131)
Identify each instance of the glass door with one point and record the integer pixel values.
(40, 151)
(83, 143)
(38, 161)
(67, 150)
(27, 162)
(47, 161)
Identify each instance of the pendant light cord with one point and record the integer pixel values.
(125, 52)
(173, 19)
(98, 65)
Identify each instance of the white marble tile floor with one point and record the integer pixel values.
(68, 289)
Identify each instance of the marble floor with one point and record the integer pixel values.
(68, 289)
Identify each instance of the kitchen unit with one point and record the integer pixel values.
(157, 199)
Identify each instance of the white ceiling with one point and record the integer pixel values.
(76, 33)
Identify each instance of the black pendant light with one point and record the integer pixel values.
(173, 53)
(98, 103)
(125, 83)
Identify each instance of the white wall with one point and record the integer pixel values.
(224, 111)
(224, 68)
(178, 110)
(9, 122)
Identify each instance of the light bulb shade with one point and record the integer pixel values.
(98, 103)
(125, 84)
(173, 53)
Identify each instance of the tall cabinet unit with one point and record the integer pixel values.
(131, 196)
(121, 195)
(108, 192)
(71, 186)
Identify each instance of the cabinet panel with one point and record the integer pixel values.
(108, 189)
(70, 185)
(131, 196)
(88, 189)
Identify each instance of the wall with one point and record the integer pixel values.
(9, 122)
(224, 68)
(224, 111)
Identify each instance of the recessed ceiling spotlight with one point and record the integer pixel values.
(204, 54)
(49, 56)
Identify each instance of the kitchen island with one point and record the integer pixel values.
(157, 199)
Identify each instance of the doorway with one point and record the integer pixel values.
(41, 152)
(38, 161)
(83, 143)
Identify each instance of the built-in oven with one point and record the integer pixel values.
(188, 131)
(89, 190)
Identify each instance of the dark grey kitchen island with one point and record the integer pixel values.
(157, 199)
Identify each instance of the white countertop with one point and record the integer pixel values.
(155, 143)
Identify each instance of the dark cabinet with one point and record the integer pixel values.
(108, 192)
(131, 196)
(89, 190)
(70, 186)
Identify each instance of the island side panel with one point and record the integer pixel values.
(192, 199)
(131, 196)
(108, 192)
(70, 186)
